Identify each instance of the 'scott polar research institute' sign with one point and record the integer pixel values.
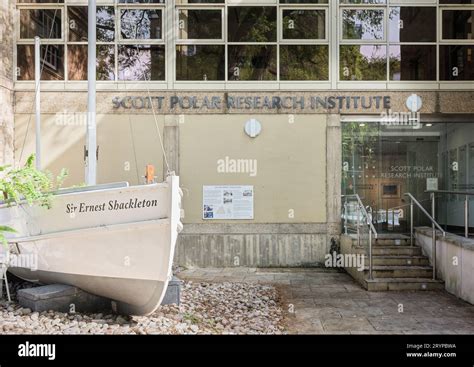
(227, 202)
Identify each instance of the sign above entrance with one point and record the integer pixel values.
(254, 102)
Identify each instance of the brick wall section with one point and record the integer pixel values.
(6, 83)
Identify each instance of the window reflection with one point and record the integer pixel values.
(361, 24)
(52, 62)
(105, 24)
(141, 62)
(458, 24)
(252, 62)
(252, 24)
(363, 62)
(44, 23)
(304, 62)
(412, 62)
(77, 62)
(304, 24)
(200, 62)
(200, 24)
(456, 62)
(141, 24)
(412, 24)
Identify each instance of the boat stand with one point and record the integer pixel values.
(3, 278)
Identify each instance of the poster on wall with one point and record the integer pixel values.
(227, 202)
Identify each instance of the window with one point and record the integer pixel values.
(293, 43)
(200, 24)
(363, 48)
(412, 38)
(43, 23)
(299, 24)
(458, 24)
(456, 52)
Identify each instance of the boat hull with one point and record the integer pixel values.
(125, 256)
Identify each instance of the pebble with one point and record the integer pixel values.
(206, 308)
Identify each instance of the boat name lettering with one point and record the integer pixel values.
(111, 205)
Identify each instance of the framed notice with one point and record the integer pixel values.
(227, 202)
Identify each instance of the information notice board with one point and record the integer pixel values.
(227, 202)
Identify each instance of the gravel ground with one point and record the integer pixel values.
(206, 308)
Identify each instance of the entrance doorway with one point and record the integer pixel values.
(382, 162)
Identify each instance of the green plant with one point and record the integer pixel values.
(27, 184)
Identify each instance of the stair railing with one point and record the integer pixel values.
(367, 213)
(434, 225)
(466, 195)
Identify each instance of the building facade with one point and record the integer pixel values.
(268, 110)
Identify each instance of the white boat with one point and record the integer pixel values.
(115, 241)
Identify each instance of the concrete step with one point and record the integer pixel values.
(403, 284)
(399, 260)
(392, 241)
(404, 271)
(397, 250)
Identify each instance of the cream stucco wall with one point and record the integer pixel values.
(291, 164)
(63, 139)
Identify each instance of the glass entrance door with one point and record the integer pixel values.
(383, 162)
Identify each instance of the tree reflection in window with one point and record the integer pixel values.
(363, 24)
(304, 62)
(141, 62)
(141, 24)
(363, 62)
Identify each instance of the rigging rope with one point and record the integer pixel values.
(37, 88)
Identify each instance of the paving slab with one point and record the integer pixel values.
(326, 301)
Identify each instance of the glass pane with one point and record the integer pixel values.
(141, 62)
(252, 24)
(458, 24)
(413, 62)
(77, 22)
(40, 1)
(361, 24)
(363, 1)
(200, 24)
(200, 62)
(365, 62)
(77, 62)
(412, 24)
(52, 63)
(141, 23)
(44, 23)
(304, 24)
(308, 62)
(456, 62)
(105, 62)
(105, 24)
(252, 63)
(303, 1)
(471, 167)
(142, 1)
(200, 1)
(456, 1)
(462, 184)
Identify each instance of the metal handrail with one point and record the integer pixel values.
(369, 223)
(364, 211)
(434, 225)
(423, 210)
(451, 192)
(466, 204)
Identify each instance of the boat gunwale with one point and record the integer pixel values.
(4, 204)
(80, 231)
